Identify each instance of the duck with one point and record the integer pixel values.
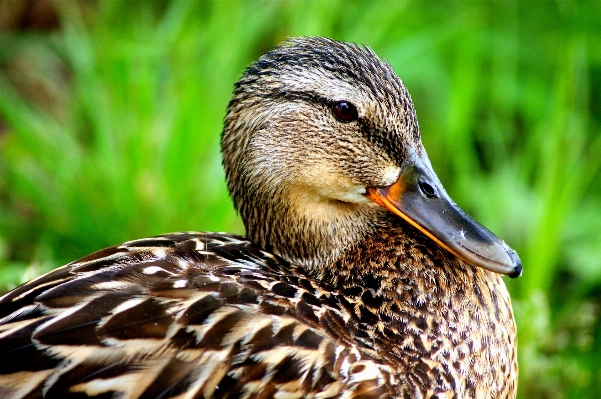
(358, 276)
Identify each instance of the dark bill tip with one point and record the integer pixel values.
(517, 268)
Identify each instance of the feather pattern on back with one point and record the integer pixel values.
(206, 315)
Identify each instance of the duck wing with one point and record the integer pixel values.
(184, 315)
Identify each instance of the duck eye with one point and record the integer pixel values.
(345, 111)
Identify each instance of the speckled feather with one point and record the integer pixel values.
(329, 297)
(206, 315)
(181, 315)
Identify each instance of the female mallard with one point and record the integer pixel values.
(359, 277)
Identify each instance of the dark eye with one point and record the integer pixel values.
(345, 111)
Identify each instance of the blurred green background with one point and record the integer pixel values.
(110, 115)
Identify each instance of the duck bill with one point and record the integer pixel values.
(419, 198)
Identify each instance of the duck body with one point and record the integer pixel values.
(210, 315)
(331, 295)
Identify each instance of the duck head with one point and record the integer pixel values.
(322, 149)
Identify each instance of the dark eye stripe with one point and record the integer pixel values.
(344, 111)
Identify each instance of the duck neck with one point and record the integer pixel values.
(314, 237)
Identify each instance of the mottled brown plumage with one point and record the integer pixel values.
(332, 295)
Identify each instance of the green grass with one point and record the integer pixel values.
(109, 131)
